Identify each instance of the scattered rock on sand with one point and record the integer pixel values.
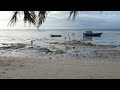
(14, 46)
(66, 48)
(107, 53)
(58, 51)
(53, 42)
(44, 50)
(104, 46)
(73, 47)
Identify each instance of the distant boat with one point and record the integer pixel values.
(56, 35)
(90, 33)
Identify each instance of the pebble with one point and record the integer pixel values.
(21, 65)
(73, 47)
(6, 69)
(3, 72)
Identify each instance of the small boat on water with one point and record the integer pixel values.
(90, 33)
(56, 35)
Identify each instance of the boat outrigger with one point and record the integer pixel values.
(90, 33)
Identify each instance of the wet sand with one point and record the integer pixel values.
(34, 68)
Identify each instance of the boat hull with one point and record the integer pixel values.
(56, 35)
(93, 34)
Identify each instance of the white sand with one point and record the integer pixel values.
(31, 68)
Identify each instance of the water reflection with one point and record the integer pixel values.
(87, 38)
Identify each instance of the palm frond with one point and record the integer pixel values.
(41, 17)
(73, 14)
(30, 16)
(36, 17)
(14, 18)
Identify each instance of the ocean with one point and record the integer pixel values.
(109, 36)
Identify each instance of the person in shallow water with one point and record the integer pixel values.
(32, 42)
(73, 34)
(69, 38)
(65, 38)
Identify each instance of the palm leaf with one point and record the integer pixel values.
(36, 17)
(73, 14)
(30, 16)
(14, 18)
(41, 17)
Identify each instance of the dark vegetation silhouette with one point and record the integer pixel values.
(37, 18)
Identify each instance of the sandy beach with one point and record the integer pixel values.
(31, 68)
(88, 48)
(67, 60)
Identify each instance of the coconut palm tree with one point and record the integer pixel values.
(37, 18)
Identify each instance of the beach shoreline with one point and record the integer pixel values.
(73, 59)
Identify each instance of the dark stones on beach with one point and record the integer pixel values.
(13, 46)
(3, 72)
(2, 51)
(6, 69)
(58, 51)
(73, 42)
(95, 53)
(50, 58)
(89, 44)
(54, 43)
(66, 48)
(18, 45)
(21, 65)
(44, 50)
(76, 42)
(73, 47)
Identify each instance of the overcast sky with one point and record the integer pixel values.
(59, 20)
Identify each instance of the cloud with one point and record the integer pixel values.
(59, 20)
(85, 19)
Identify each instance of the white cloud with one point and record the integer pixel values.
(58, 19)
